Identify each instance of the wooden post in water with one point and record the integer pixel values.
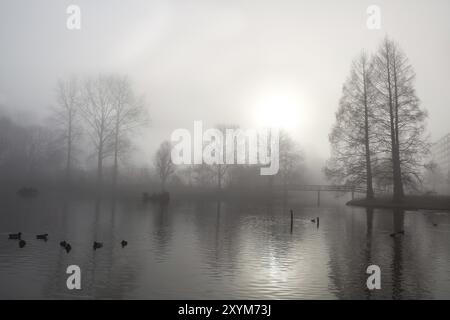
(292, 220)
(318, 198)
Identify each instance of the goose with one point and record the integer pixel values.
(124, 243)
(42, 236)
(15, 236)
(68, 247)
(97, 245)
(22, 243)
(63, 243)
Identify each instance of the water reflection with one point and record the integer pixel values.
(223, 250)
(397, 261)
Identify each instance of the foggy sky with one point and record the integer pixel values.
(212, 60)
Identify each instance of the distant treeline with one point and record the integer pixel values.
(84, 145)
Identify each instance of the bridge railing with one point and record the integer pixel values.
(336, 188)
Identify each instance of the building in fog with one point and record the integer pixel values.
(440, 152)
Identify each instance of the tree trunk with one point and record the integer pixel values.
(100, 167)
(397, 181)
(69, 150)
(116, 154)
(369, 187)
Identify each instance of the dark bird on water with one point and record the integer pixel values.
(15, 236)
(66, 246)
(435, 224)
(124, 243)
(42, 236)
(22, 243)
(402, 232)
(97, 245)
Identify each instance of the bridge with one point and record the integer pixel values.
(329, 188)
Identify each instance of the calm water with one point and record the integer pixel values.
(222, 250)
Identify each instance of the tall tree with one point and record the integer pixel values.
(353, 133)
(290, 158)
(98, 112)
(401, 120)
(66, 114)
(163, 163)
(129, 114)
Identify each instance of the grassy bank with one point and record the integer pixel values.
(408, 203)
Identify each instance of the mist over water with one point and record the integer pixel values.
(221, 250)
(342, 109)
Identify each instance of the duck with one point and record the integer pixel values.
(22, 243)
(315, 220)
(42, 236)
(15, 236)
(63, 243)
(97, 245)
(402, 232)
(68, 247)
(124, 243)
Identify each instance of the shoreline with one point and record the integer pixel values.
(408, 203)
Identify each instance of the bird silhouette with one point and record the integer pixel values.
(15, 236)
(97, 245)
(42, 236)
(402, 232)
(124, 243)
(22, 243)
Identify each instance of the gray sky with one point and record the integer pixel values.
(218, 61)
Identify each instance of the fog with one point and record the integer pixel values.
(216, 61)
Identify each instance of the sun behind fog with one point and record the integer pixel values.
(278, 110)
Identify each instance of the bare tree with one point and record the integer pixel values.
(163, 163)
(66, 115)
(98, 112)
(129, 114)
(290, 159)
(401, 123)
(352, 135)
(221, 169)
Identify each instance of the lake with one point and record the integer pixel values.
(221, 250)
